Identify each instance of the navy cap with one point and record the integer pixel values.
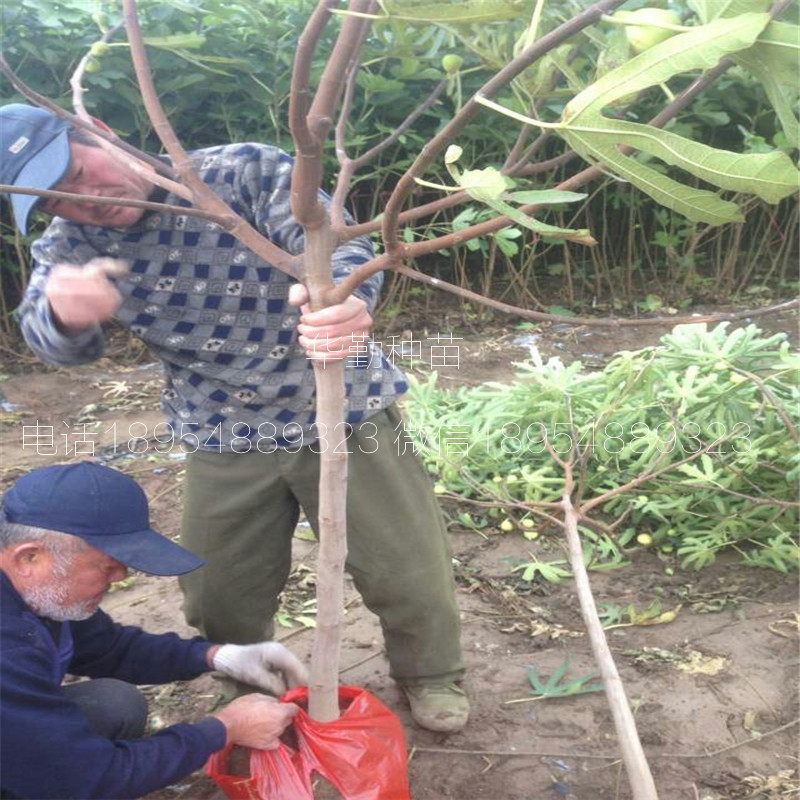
(34, 152)
(105, 508)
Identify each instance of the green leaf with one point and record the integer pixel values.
(489, 182)
(487, 185)
(771, 176)
(773, 60)
(452, 154)
(699, 48)
(554, 688)
(507, 247)
(177, 41)
(698, 205)
(709, 10)
(465, 12)
(545, 196)
(561, 311)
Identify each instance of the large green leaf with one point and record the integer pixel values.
(709, 10)
(597, 138)
(774, 59)
(699, 48)
(698, 205)
(771, 176)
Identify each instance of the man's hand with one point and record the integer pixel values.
(268, 665)
(256, 721)
(81, 297)
(333, 333)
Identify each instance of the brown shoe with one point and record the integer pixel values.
(442, 707)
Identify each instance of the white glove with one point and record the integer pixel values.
(268, 665)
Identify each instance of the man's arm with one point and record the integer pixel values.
(49, 750)
(53, 341)
(106, 649)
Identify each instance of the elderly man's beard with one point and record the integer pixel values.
(48, 599)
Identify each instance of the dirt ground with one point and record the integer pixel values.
(713, 692)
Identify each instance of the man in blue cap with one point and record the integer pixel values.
(240, 391)
(66, 534)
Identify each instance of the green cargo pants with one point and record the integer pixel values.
(240, 512)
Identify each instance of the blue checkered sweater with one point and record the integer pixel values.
(214, 313)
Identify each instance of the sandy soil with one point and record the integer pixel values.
(714, 691)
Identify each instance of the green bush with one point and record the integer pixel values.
(702, 432)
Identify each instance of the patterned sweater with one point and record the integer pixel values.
(214, 313)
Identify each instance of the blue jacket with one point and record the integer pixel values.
(47, 749)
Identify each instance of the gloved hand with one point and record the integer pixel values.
(268, 665)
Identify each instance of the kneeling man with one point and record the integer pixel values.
(66, 534)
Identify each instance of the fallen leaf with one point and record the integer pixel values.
(695, 663)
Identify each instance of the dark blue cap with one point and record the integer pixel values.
(34, 152)
(105, 508)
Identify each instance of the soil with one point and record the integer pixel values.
(713, 691)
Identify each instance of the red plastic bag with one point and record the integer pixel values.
(363, 754)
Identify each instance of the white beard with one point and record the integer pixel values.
(48, 601)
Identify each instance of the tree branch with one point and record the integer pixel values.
(639, 776)
(202, 195)
(350, 166)
(40, 100)
(223, 222)
(77, 76)
(351, 282)
(110, 142)
(470, 109)
(308, 132)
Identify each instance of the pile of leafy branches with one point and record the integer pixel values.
(693, 444)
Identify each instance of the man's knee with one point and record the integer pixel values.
(114, 709)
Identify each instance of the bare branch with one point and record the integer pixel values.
(223, 222)
(164, 176)
(471, 108)
(115, 201)
(756, 501)
(77, 76)
(640, 778)
(113, 149)
(309, 133)
(380, 263)
(202, 195)
(349, 166)
(647, 475)
(310, 129)
(332, 82)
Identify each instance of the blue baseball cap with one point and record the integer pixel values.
(34, 152)
(105, 508)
